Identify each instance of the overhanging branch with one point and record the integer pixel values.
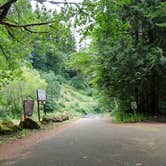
(59, 2)
(7, 4)
(31, 31)
(65, 3)
(5, 8)
(4, 53)
(25, 25)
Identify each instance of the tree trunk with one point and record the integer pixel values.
(154, 93)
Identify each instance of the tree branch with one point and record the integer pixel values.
(5, 9)
(13, 37)
(31, 31)
(25, 25)
(58, 3)
(4, 53)
(7, 4)
(65, 3)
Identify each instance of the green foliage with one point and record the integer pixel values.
(52, 91)
(127, 117)
(47, 48)
(51, 55)
(13, 94)
(15, 42)
(125, 60)
(79, 82)
(126, 52)
(79, 61)
(158, 14)
(39, 35)
(75, 101)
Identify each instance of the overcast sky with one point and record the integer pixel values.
(49, 5)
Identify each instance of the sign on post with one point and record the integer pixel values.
(28, 107)
(41, 94)
(134, 106)
(41, 99)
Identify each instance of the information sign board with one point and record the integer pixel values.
(28, 107)
(41, 95)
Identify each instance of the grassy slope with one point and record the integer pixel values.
(75, 101)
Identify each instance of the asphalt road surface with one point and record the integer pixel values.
(98, 142)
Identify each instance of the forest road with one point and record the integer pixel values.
(99, 142)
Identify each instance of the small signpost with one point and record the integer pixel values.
(28, 106)
(134, 106)
(28, 109)
(41, 100)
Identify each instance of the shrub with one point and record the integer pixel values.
(97, 110)
(50, 106)
(16, 91)
(78, 82)
(82, 111)
(127, 117)
(53, 89)
(53, 84)
(123, 113)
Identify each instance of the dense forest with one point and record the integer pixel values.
(122, 58)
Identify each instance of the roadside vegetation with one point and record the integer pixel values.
(123, 62)
(36, 57)
(126, 59)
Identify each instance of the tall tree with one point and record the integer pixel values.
(129, 49)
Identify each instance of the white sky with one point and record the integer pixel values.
(54, 6)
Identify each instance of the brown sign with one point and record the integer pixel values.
(28, 107)
(41, 95)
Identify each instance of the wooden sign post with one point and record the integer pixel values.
(134, 106)
(28, 108)
(41, 100)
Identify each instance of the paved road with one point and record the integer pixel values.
(97, 142)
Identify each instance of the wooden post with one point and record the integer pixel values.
(24, 109)
(134, 107)
(38, 110)
(44, 107)
(41, 99)
(134, 110)
(38, 107)
(22, 118)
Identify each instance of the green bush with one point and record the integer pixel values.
(53, 89)
(82, 111)
(50, 106)
(127, 117)
(62, 105)
(97, 110)
(123, 113)
(89, 91)
(18, 90)
(78, 82)
(53, 84)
